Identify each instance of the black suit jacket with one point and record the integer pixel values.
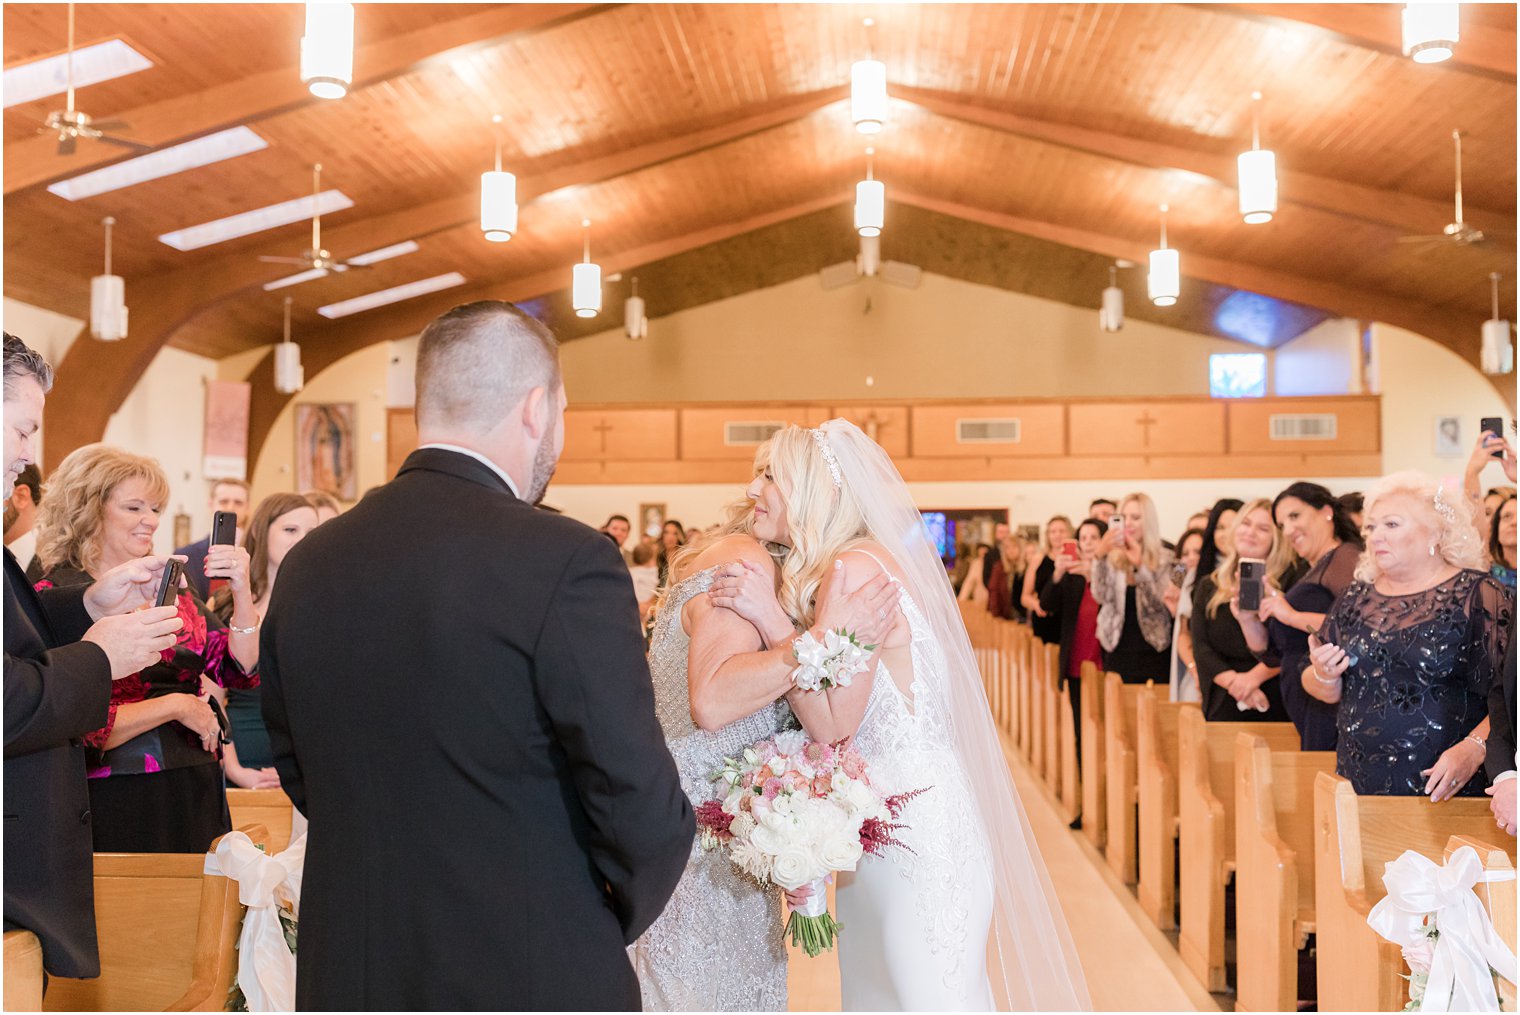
(457, 698)
(57, 689)
(1501, 725)
(195, 567)
(1062, 600)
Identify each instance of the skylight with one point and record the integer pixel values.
(396, 294)
(256, 221)
(372, 257)
(203, 151)
(92, 65)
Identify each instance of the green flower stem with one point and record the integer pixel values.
(814, 934)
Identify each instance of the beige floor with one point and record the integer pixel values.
(1130, 965)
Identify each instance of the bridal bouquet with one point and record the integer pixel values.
(796, 812)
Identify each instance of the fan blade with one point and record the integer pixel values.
(284, 260)
(1432, 238)
(67, 145)
(345, 265)
(109, 124)
(837, 276)
(122, 142)
(899, 274)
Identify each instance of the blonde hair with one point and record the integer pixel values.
(73, 510)
(1457, 539)
(823, 520)
(1150, 536)
(1279, 558)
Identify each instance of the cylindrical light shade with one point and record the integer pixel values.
(289, 375)
(635, 323)
(1258, 186)
(868, 95)
(870, 207)
(498, 205)
(327, 49)
(1164, 283)
(108, 308)
(870, 255)
(1430, 31)
(1498, 354)
(1111, 313)
(586, 289)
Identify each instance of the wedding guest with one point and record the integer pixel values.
(1354, 504)
(962, 566)
(21, 521)
(672, 538)
(1409, 651)
(1233, 684)
(1317, 528)
(646, 578)
(1103, 510)
(226, 495)
(1007, 579)
(1057, 532)
(1179, 599)
(1216, 535)
(154, 778)
(1198, 520)
(973, 589)
(279, 522)
(325, 504)
(1490, 449)
(1129, 579)
(1068, 600)
(1000, 533)
(1501, 544)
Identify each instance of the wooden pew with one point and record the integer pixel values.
(167, 935)
(1006, 667)
(1065, 738)
(1156, 721)
(1498, 898)
(1044, 754)
(1023, 695)
(1050, 671)
(1121, 755)
(1206, 832)
(23, 971)
(268, 807)
(1354, 837)
(1094, 773)
(1274, 868)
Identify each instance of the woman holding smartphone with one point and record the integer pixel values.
(1069, 602)
(1130, 578)
(1038, 577)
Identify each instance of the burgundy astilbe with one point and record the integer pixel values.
(876, 835)
(713, 820)
(895, 804)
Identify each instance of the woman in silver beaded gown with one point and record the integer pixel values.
(718, 944)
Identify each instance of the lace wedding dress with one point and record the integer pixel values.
(916, 923)
(718, 945)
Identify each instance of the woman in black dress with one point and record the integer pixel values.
(1234, 685)
(1410, 651)
(1317, 527)
(1045, 628)
(1129, 580)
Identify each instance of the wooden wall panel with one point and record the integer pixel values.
(594, 435)
(887, 425)
(702, 430)
(1042, 430)
(1359, 425)
(400, 438)
(1191, 427)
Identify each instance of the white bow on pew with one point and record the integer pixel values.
(1459, 957)
(266, 966)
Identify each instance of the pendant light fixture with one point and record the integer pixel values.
(327, 49)
(1111, 312)
(635, 321)
(1498, 353)
(868, 92)
(1258, 174)
(1164, 282)
(289, 375)
(869, 262)
(870, 201)
(498, 197)
(586, 281)
(108, 298)
(1431, 31)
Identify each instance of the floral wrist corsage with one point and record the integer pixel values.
(832, 663)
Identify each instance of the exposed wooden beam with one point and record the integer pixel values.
(110, 370)
(35, 162)
(1403, 212)
(1482, 50)
(322, 347)
(1461, 337)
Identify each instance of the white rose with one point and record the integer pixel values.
(861, 798)
(790, 742)
(840, 853)
(777, 765)
(784, 804)
(767, 839)
(794, 867)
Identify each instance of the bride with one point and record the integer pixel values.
(966, 918)
(713, 701)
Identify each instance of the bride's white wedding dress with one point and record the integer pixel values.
(916, 923)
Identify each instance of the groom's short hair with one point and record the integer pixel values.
(478, 360)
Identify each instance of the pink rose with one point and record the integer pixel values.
(823, 785)
(853, 764)
(771, 788)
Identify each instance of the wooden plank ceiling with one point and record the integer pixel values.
(1028, 145)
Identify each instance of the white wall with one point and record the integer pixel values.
(1324, 360)
(47, 332)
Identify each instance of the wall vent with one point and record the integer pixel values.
(1303, 426)
(749, 434)
(987, 431)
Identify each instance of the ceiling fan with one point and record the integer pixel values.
(315, 258)
(868, 264)
(70, 124)
(1457, 231)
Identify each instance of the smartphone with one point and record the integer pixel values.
(221, 720)
(1495, 426)
(1071, 549)
(1179, 574)
(1252, 574)
(1116, 526)
(168, 588)
(223, 528)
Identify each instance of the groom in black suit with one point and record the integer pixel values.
(455, 688)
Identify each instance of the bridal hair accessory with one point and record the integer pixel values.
(1444, 509)
(822, 440)
(832, 663)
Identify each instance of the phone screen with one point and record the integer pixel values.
(1071, 549)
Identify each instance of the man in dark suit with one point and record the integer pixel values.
(1501, 746)
(226, 495)
(57, 687)
(456, 694)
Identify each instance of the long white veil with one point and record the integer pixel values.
(1032, 961)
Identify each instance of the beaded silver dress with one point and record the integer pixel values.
(718, 945)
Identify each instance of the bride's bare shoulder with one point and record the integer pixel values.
(733, 547)
(865, 559)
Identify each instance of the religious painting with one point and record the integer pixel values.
(325, 449)
(1449, 437)
(651, 520)
(226, 433)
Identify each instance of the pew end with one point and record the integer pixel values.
(1094, 776)
(270, 808)
(1156, 760)
(23, 971)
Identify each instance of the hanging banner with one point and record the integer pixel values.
(226, 440)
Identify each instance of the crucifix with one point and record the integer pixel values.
(872, 425)
(1146, 422)
(602, 428)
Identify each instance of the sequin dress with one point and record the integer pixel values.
(718, 945)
